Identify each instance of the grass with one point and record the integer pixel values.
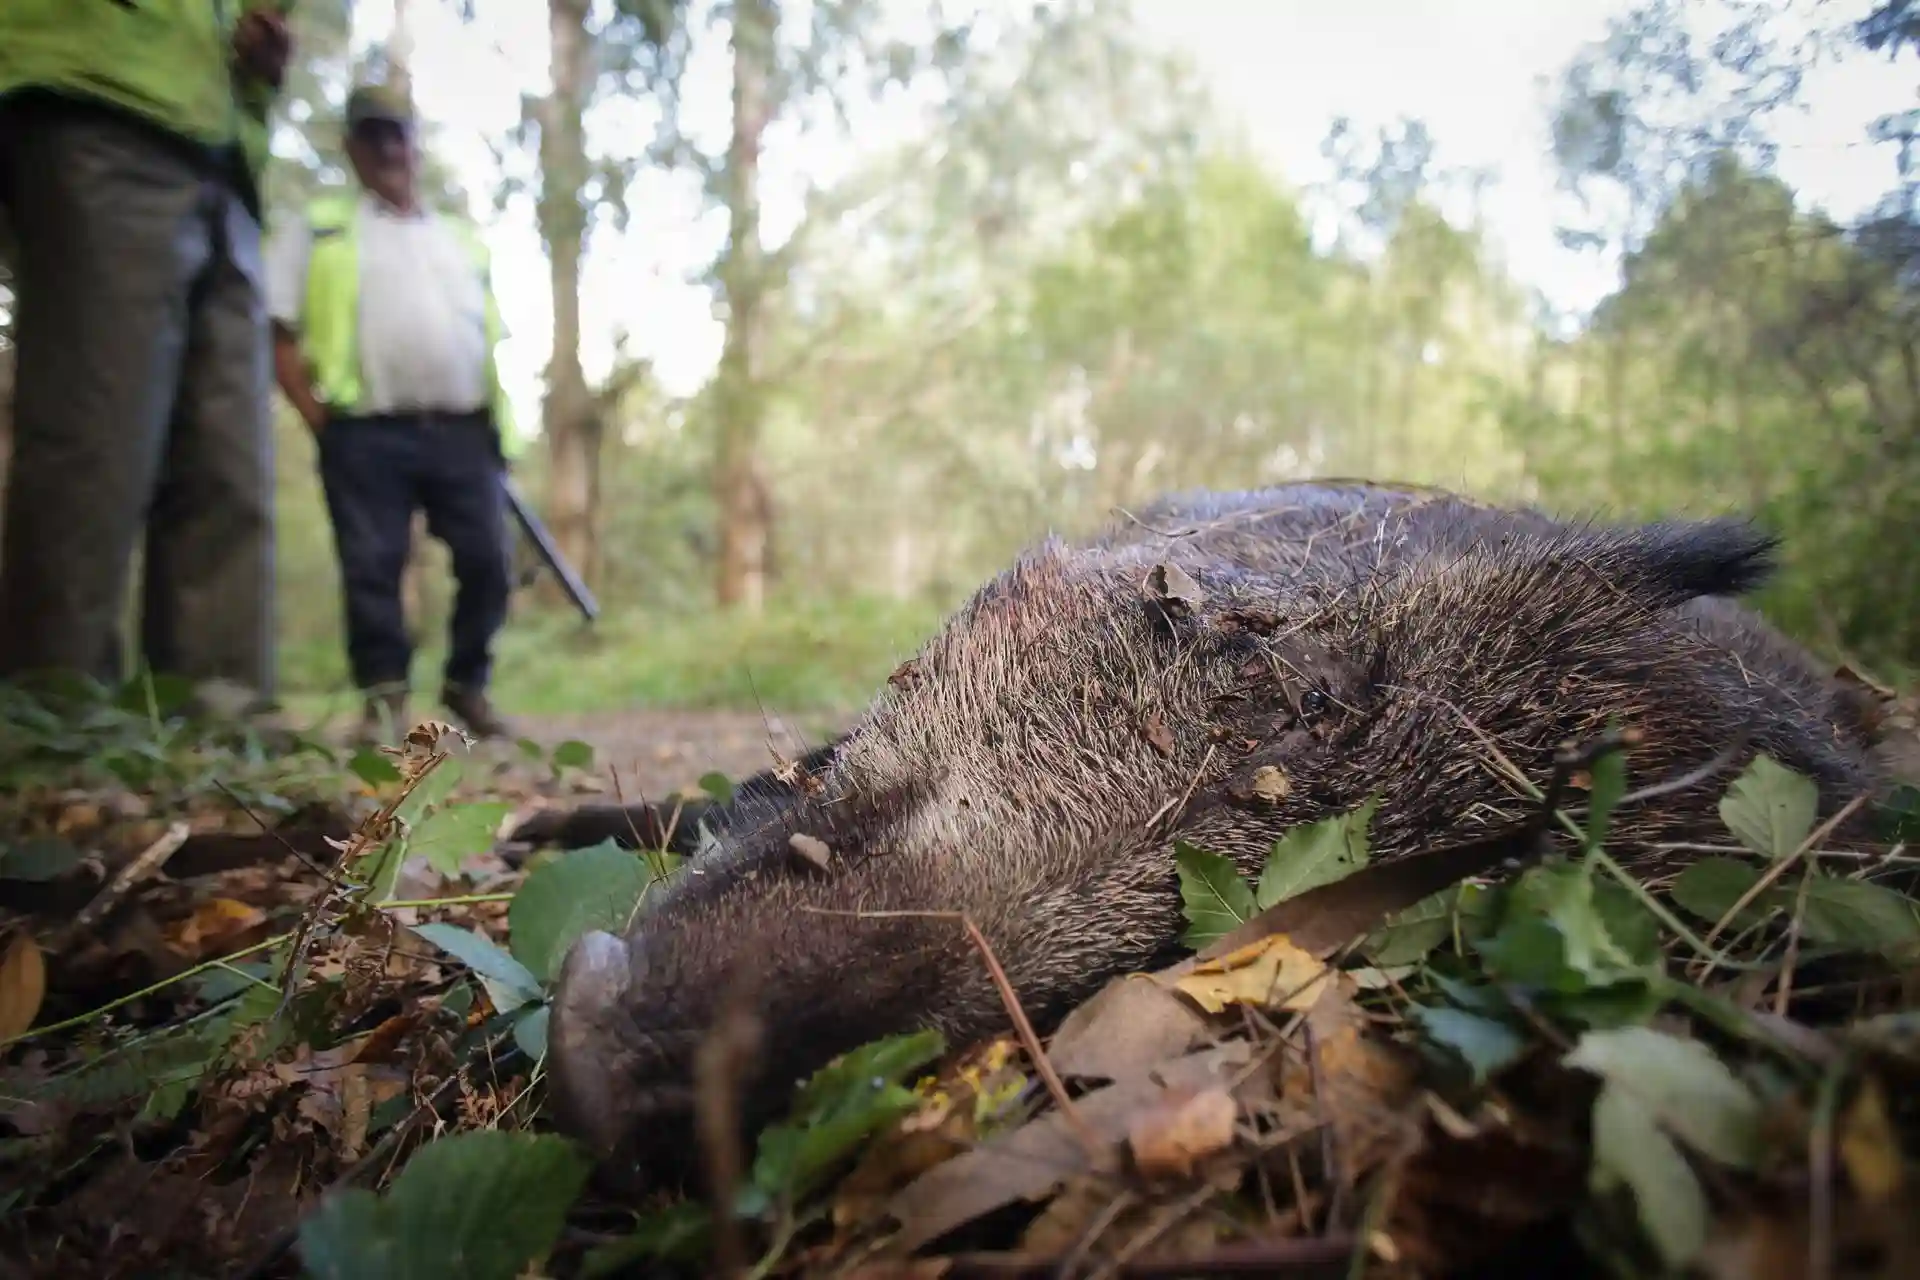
(796, 656)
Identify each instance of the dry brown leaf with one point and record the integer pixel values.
(1185, 1128)
(1030, 1162)
(1069, 1216)
(1869, 1148)
(1271, 972)
(1157, 734)
(1364, 1087)
(23, 985)
(1132, 1025)
(1270, 782)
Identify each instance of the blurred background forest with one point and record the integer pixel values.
(982, 270)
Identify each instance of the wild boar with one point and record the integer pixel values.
(1034, 764)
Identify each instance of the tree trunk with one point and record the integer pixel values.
(739, 396)
(570, 425)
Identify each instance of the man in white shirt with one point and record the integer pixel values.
(384, 334)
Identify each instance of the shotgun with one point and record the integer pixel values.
(536, 534)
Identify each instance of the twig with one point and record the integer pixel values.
(80, 1019)
(1309, 1255)
(260, 822)
(1024, 1028)
(724, 1054)
(1778, 869)
(151, 859)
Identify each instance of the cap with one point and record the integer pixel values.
(369, 102)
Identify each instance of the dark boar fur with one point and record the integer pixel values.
(1035, 763)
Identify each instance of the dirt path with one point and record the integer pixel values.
(655, 751)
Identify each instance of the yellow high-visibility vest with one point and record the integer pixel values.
(330, 320)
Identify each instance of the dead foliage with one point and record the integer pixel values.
(1473, 1061)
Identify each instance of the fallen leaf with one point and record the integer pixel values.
(1029, 1162)
(213, 926)
(1270, 782)
(1132, 1024)
(23, 985)
(1363, 1086)
(1270, 973)
(1173, 587)
(1183, 1129)
(1157, 734)
(1868, 1146)
(810, 849)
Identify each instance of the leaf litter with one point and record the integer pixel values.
(329, 1062)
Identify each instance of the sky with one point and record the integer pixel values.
(1477, 73)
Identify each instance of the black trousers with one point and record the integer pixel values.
(377, 471)
(142, 406)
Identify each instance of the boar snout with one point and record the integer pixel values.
(611, 1080)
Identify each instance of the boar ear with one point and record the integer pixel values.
(1670, 562)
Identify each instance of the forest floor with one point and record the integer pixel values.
(283, 1013)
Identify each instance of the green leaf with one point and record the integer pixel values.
(1630, 1149)
(39, 858)
(1852, 915)
(573, 754)
(450, 835)
(839, 1107)
(1710, 888)
(1215, 897)
(374, 767)
(1899, 815)
(678, 1232)
(1603, 796)
(482, 1205)
(596, 888)
(1770, 808)
(1691, 1092)
(1412, 934)
(530, 1031)
(508, 983)
(1485, 1045)
(431, 791)
(718, 786)
(1315, 854)
(532, 750)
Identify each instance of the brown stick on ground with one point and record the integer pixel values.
(151, 859)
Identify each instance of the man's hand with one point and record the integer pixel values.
(261, 44)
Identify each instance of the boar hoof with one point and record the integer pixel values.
(589, 1066)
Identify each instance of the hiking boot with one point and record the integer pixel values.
(475, 714)
(383, 718)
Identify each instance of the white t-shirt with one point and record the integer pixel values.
(423, 334)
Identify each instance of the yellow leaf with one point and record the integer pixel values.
(1271, 972)
(1185, 1128)
(23, 985)
(213, 922)
(1868, 1147)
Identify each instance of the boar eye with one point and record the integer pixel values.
(1313, 703)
